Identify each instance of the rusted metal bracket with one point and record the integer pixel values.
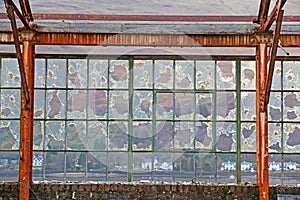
(25, 7)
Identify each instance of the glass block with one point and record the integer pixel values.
(56, 73)
(55, 135)
(97, 107)
(142, 105)
(117, 165)
(184, 135)
(226, 136)
(275, 103)
(291, 109)
(184, 106)
(97, 135)
(39, 104)
(226, 105)
(118, 104)
(165, 167)
(205, 75)
(248, 75)
(143, 74)
(291, 174)
(98, 72)
(276, 80)
(76, 135)
(164, 105)
(56, 104)
(77, 105)
(118, 74)
(118, 135)
(291, 138)
(9, 134)
(10, 75)
(226, 75)
(203, 136)
(184, 167)
(142, 135)
(291, 74)
(54, 166)
(206, 170)
(40, 73)
(275, 135)
(204, 106)
(248, 168)
(248, 137)
(10, 103)
(97, 166)
(184, 74)
(248, 105)
(164, 135)
(275, 169)
(226, 168)
(144, 164)
(75, 166)
(10, 170)
(164, 74)
(77, 73)
(38, 134)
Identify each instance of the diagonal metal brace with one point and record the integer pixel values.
(11, 15)
(18, 13)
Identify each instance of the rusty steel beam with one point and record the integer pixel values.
(28, 10)
(263, 11)
(26, 130)
(272, 56)
(10, 3)
(273, 16)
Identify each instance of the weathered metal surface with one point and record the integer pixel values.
(9, 3)
(263, 11)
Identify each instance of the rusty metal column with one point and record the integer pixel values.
(26, 132)
(262, 120)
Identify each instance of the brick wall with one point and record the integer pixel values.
(9, 191)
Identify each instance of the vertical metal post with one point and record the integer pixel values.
(262, 121)
(26, 132)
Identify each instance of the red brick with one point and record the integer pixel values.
(114, 187)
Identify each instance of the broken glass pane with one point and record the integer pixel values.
(10, 103)
(54, 166)
(97, 135)
(205, 75)
(118, 135)
(76, 135)
(39, 104)
(56, 73)
(184, 106)
(226, 105)
(275, 135)
(248, 75)
(291, 138)
(142, 135)
(184, 135)
(291, 75)
(75, 166)
(248, 137)
(10, 76)
(248, 105)
(184, 74)
(38, 135)
(98, 71)
(96, 166)
(118, 74)
(164, 105)
(291, 109)
(9, 134)
(226, 78)
(226, 136)
(204, 106)
(276, 80)
(164, 74)
(77, 104)
(97, 104)
(143, 74)
(142, 105)
(203, 135)
(118, 104)
(55, 135)
(40, 73)
(275, 104)
(77, 73)
(56, 104)
(164, 135)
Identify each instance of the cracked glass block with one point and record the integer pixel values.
(205, 75)
(118, 74)
(9, 134)
(56, 73)
(143, 74)
(142, 135)
(142, 105)
(291, 108)
(98, 72)
(248, 137)
(226, 136)
(77, 105)
(184, 135)
(10, 103)
(184, 74)
(248, 105)
(77, 73)
(248, 75)
(76, 135)
(118, 104)
(118, 135)
(203, 136)
(164, 74)
(97, 104)
(10, 75)
(184, 106)
(226, 74)
(275, 137)
(97, 135)
(55, 135)
(204, 106)
(56, 104)
(291, 75)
